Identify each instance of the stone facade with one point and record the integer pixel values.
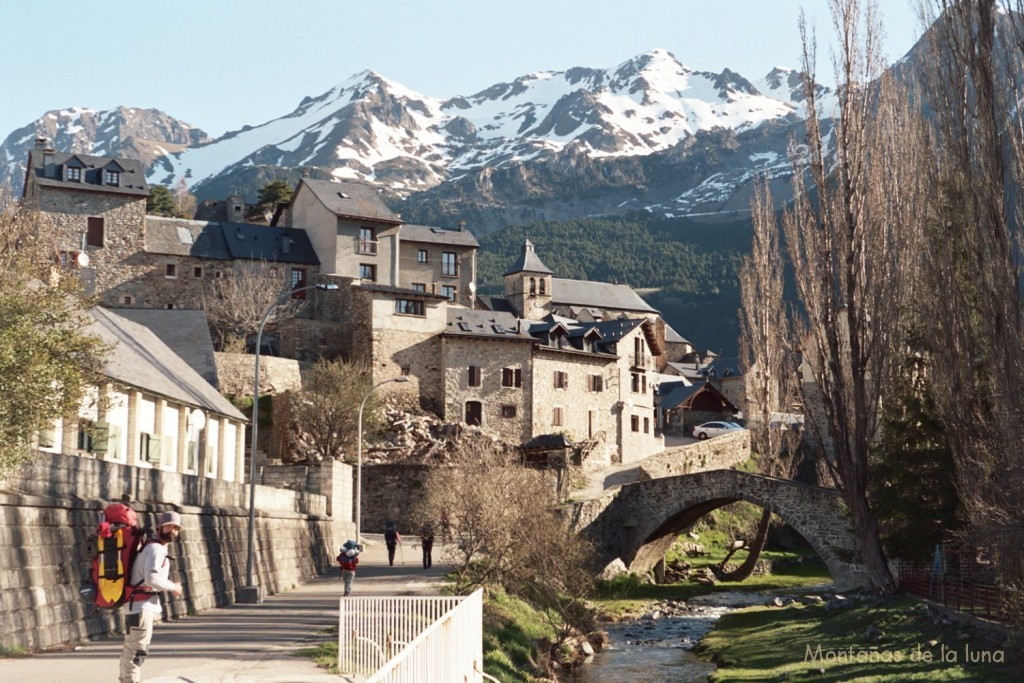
(639, 522)
(504, 410)
(50, 507)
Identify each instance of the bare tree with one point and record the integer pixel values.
(853, 198)
(975, 327)
(236, 303)
(326, 411)
(767, 360)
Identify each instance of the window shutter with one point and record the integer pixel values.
(101, 437)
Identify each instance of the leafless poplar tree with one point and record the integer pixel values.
(767, 359)
(972, 260)
(853, 197)
(325, 413)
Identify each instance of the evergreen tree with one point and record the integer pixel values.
(273, 193)
(160, 201)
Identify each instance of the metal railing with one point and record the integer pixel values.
(978, 599)
(412, 639)
(365, 246)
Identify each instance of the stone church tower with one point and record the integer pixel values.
(528, 285)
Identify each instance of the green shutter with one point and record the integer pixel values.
(101, 437)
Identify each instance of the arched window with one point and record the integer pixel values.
(542, 286)
(533, 286)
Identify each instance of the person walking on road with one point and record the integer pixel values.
(151, 569)
(348, 559)
(427, 543)
(391, 539)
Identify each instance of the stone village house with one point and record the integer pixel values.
(553, 356)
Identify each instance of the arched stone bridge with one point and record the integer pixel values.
(639, 522)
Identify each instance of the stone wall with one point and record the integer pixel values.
(396, 492)
(492, 357)
(721, 453)
(48, 509)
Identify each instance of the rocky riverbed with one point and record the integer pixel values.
(656, 646)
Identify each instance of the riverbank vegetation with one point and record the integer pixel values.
(872, 640)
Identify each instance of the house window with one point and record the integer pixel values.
(127, 301)
(94, 232)
(556, 416)
(635, 388)
(449, 263)
(561, 380)
(511, 377)
(170, 270)
(197, 272)
(595, 383)
(298, 283)
(448, 292)
(419, 287)
(541, 283)
(474, 375)
(533, 286)
(368, 271)
(647, 425)
(68, 259)
(508, 411)
(73, 173)
(409, 307)
(367, 241)
(634, 423)
(111, 178)
(149, 448)
(422, 256)
(170, 307)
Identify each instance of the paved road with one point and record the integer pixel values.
(240, 643)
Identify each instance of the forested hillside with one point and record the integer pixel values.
(687, 270)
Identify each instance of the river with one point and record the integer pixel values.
(656, 647)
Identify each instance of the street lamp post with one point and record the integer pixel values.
(359, 451)
(250, 592)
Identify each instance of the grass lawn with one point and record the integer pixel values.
(782, 644)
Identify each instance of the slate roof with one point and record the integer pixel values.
(185, 332)
(677, 394)
(602, 295)
(48, 171)
(722, 367)
(425, 233)
(262, 243)
(529, 262)
(213, 240)
(401, 291)
(139, 359)
(673, 337)
(350, 200)
(180, 237)
(495, 303)
(547, 442)
(485, 325)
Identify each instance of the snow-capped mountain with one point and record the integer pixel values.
(144, 134)
(373, 129)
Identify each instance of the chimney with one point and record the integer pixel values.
(462, 226)
(41, 143)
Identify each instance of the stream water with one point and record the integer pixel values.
(656, 647)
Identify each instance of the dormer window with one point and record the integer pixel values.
(112, 178)
(73, 173)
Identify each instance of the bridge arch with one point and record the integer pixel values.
(639, 522)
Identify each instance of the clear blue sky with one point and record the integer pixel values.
(222, 64)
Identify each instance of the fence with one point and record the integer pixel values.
(412, 639)
(961, 578)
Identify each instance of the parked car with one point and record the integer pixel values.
(712, 429)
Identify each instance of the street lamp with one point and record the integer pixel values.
(250, 592)
(359, 450)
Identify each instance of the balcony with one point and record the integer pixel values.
(368, 247)
(640, 361)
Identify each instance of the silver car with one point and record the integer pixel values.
(712, 429)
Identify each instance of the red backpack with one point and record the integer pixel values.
(112, 550)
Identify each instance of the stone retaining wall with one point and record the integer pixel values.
(48, 510)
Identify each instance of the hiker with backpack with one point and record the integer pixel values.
(348, 559)
(427, 543)
(150, 575)
(391, 539)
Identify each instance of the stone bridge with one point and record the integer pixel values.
(639, 522)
